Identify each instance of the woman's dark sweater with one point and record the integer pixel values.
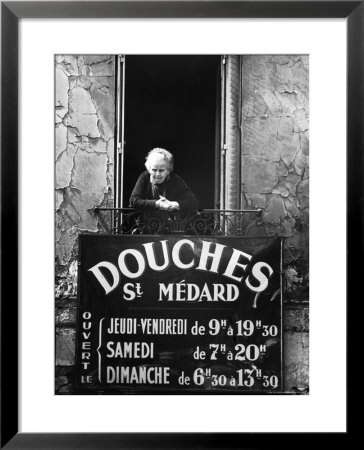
(173, 189)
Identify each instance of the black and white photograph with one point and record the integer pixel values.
(181, 224)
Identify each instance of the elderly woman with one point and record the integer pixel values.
(160, 189)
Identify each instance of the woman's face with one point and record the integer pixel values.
(158, 169)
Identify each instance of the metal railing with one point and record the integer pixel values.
(213, 222)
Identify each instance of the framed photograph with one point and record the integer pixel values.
(164, 249)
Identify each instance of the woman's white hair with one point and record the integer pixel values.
(161, 153)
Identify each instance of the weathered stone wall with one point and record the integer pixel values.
(84, 140)
(274, 126)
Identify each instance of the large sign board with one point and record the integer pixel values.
(179, 314)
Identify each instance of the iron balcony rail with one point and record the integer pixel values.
(213, 222)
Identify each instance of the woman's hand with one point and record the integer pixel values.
(174, 206)
(163, 204)
(166, 205)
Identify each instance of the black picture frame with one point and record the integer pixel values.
(11, 12)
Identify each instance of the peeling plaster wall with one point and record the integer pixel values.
(275, 156)
(84, 136)
(84, 166)
(275, 175)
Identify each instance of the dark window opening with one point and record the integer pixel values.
(170, 102)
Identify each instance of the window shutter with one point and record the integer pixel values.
(230, 148)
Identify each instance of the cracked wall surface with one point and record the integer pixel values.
(275, 177)
(84, 146)
(275, 144)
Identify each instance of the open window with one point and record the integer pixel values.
(171, 102)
